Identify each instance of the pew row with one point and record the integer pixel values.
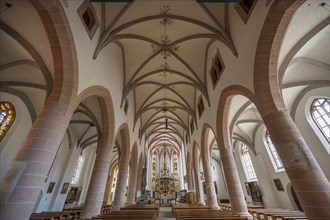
(153, 207)
(227, 206)
(185, 206)
(205, 214)
(276, 214)
(64, 215)
(128, 214)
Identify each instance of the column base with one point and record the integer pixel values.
(129, 203)
(201, 203)
(115, 208)
(215, 207)
(248, 216)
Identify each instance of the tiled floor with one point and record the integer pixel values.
(165, 213)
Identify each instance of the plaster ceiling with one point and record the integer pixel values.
(164, 44)
(160, 91)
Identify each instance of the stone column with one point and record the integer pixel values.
(108, 189)
(181, 173)
(236, 195)
(98, 181)
(23, 182)
(119, 198)
(139, 177)
(209, 184)
(190, 182)
(305, 174)
(198, 187)
(144, 183)
(133, 173)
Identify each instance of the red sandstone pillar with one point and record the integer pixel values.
(22, 184)
(131, 194)
(198, 186)
(98, 181)
(140, 171)
(189, 177)
(119, 198)
(108, 189)
(236, 196)
(209, 184)
(189, 174)
(305, 174)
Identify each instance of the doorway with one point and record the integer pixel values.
(295, 199)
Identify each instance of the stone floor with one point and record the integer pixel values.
(165, 213)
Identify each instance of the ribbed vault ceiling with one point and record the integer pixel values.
(161, 91)
(165, 46)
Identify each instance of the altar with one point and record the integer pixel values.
(165, 185)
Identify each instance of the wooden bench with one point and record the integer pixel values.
(258, 213)
(275, 214)
(205, 215)
(77, 210)
(282, 214)
(105, 209)
(294, 218)
(177, 207)
(227, 206)
(153, 207)
(129, 214)
(65, 215)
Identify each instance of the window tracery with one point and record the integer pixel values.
(7, 117)
(273, 153)
(320, 111)
(77, 170)
(247, 163)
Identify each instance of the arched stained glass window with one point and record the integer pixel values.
(278, 165)
(114, 174)
(77, 170)
(247, 163)
(320, 110)
(7, 117)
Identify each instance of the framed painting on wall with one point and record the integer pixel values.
(278, 184)
(65, 188)
(50, 187)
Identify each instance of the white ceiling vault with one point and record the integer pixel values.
(164, 45)
(163, 91)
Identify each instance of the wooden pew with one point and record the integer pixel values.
(54, 216)
(294, 218)
(205, 215)
(105, 209)
(185, 206)
(227, 206)
(129, 214)
(275, 214)
(77, 210)
(258, 213)
(153, 207)
(281, 215)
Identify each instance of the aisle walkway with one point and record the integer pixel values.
(165, 213)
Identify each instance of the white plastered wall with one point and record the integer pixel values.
(266, 174)
(19, 129)
(55, 175)
(106, 70)
(220, 180)
(316, 143)
(235, 68)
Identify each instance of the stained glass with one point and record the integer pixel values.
(320, 110)
(273, 152)
(248, 163)
(77, 170)
(7, 117)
